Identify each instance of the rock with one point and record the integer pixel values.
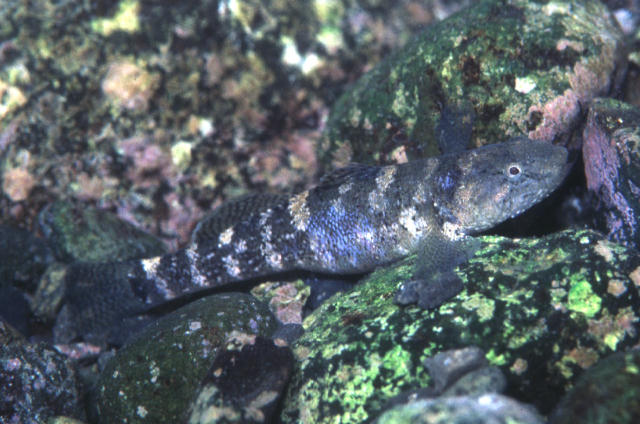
(36, 383)
(64, 420)
(485, 409)
(457, 372)
(23, 257)
(46, 302)
(244, 383)
(78, 233)
(521, 67)
(8, 334)
(447, 367)
(611, 155)
(156, 376)
(608, 392)
(246, 84)
(543, 310)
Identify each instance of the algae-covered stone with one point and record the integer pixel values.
(543, 310)
(86, 234)
(487, 409)
(611, 155)
(608, 392)
(523, 67)
(155, 377)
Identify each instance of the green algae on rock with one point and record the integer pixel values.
(155, 377)
(85, 234)
(524, 67)
(360, 349)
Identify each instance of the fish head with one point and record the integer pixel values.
(480, 188)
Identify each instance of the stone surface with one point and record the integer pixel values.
(486, 409)
(244, 384)
(78, 233)
(611, 155)
(36, 383)
(159, 112)
(23, 257)
(543, 311)
(156, 376)
(608, 392)
(521, 67)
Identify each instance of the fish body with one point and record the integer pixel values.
(356, 219)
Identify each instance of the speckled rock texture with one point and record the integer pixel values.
(543, 311)
(36, 382)
(155, 377)
(611, 155)
(159, 111)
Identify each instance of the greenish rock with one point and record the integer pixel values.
(523, 67)
(611, 154)
(543, 310)
(481, 381)
(86, 234)
(156, 376)
(608, 392)
(487, 409)
(450, 365)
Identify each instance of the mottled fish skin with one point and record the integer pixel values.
(357, 219)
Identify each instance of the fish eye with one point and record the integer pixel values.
(513, 170)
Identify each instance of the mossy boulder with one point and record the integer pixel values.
(155, 378)
(542, 309)
(521, 67)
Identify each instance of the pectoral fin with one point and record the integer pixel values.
(434, 280)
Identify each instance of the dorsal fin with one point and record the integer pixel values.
(232, 212)
(349, 172)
